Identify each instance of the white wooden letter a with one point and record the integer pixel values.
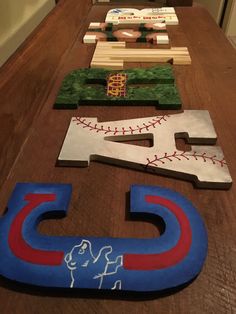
(87, 139)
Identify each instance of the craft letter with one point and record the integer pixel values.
(154, 264)
(87, 139)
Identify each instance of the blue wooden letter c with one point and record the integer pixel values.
(168, 261)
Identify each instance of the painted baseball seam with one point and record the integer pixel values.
(146, 126)
(185, 155)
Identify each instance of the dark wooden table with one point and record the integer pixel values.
(32, 134)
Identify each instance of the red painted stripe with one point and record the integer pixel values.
(168, 258)
(17, 243)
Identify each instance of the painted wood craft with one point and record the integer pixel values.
(135, 16)
(112, 55)
(160, 27)
(129, 264)
(153, 86)
(87, 139)
(155, 33)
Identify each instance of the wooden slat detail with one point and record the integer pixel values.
(106, 53)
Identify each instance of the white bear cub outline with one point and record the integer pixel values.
(81, 259)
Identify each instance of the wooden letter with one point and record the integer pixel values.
(135, 16)
(113, 55)
(164, 262)
(87, 139)
(153, 86)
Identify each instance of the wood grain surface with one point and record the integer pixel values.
(32, 134)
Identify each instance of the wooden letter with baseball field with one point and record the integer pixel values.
(152, 86)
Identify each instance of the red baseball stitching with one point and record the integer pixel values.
(146, 126)
(187, 156)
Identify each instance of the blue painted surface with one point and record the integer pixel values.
(98, 263)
